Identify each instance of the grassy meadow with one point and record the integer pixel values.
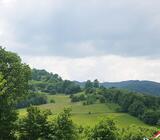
(88, 115)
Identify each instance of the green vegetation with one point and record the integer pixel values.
(88, 115)
(35, 125)
(32, 99)
(14, 77)
(43, 81)
(144, 107)
(146, 87)
(96, 113)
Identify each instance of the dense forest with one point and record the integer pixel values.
(145, 107)
(19, 85)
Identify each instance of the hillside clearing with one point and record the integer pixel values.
(88, 115)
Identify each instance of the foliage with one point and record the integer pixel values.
(14, 77)
(145, 107)
(90, 87)
(104, 130)
(137, 133)
(87, 99)
(102, 99)
(151, 116)
(33, 126)
(32, 99)
(91, 99)
(52, 101)
(96, 83)
(36, 126)
(146, 87)
(62, 128)
(77, 98)
(65, 126)
(43, 81)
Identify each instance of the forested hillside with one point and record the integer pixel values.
(143, 106)
(43, 81)
(20, 87)
(146, 87)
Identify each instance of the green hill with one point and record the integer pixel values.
(88, 115)
(146, 87)
(43, 81)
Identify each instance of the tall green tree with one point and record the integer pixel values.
(88, 84)
(89, 88)
(14, 85)
(33, 126)
(105, 130)
(62, 128)
(96, 83)
(137, 108)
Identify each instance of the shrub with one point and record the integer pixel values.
(62, 128)
(137, 133)
(32, 127)
(52, 101)
(104, 130)
(33, 99)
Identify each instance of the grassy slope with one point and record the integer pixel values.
(80, 113)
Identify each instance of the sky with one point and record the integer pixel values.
(111, 40)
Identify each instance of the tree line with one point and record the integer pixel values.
(143, 106)
(43, 81)
(35, 125)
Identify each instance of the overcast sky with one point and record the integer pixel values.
(112, 40)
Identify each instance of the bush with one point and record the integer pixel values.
(35, 126)
(137, 133)
(90, 90)
(104, 130)
(32, 127)
(52, 101)
(84, 103)
(78, 98)
(91, 99)
(62, 128)
(102, 99)
(33, 99)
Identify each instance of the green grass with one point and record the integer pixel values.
(121, 119)
(88, 115)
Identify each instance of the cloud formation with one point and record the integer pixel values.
(82, 28)
(85, 39)
(105, 68)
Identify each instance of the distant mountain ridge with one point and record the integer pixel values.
(146, 87)
(48, 82)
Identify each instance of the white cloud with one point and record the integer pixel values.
(106, 68)
(125, 28)
(106, 39)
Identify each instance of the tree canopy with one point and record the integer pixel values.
(14, 76)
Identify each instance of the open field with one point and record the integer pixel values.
(88, 115)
